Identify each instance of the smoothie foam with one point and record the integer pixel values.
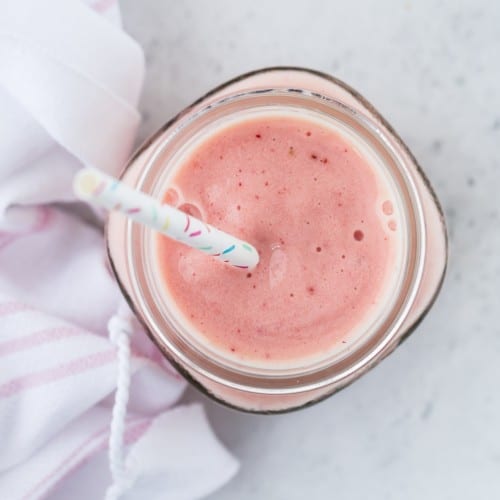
(324, 219)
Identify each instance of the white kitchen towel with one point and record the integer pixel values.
(70, 79)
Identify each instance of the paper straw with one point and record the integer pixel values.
(100, 189)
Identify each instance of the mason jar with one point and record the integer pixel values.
(273, 388)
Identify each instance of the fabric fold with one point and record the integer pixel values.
(70, 81)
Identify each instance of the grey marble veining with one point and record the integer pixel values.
(425, 423)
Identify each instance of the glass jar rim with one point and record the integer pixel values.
(295, 382)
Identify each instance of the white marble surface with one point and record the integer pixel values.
(425, 424)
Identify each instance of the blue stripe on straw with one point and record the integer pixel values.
(230, 249)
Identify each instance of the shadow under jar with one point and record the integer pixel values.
(416, 270)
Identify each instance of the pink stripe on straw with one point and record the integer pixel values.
(53, 374)
(38, 338)
(188, 221)
(196, 233)
(133, 210)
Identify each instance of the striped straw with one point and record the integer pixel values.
(94, 186)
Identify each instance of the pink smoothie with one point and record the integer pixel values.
(325, 223)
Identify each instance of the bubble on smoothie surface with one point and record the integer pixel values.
(191, 265)
(277, 266)
(171, 197)
(392, 225)
(191, 209)
(387, 208)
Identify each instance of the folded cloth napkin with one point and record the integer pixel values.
(69, 84)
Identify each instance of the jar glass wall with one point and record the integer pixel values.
(423, 259)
